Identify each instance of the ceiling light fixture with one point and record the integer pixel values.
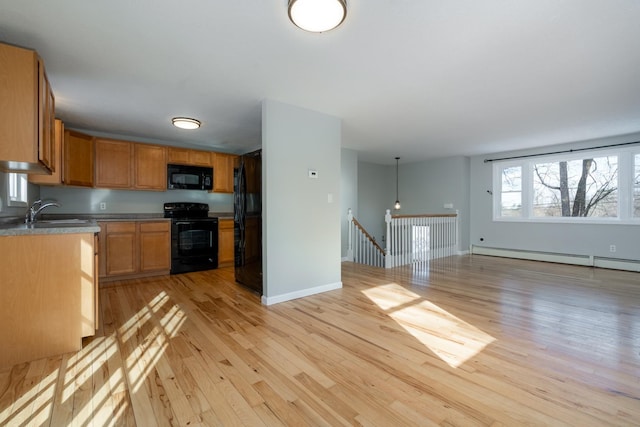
(185, 123)
(317, 16)
(397, 205)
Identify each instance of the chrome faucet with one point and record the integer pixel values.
(35, 209)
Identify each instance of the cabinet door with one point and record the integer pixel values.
(78, 159)
(226, 254)
(155, 246)
(113, 163)
(56, 176)
(45, 119)
(121, 256)
(223, 172)
(150, 167)
(88, 291)
(199, 158)
(178, 156)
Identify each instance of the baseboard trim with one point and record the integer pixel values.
(573, 259)
(300, 294)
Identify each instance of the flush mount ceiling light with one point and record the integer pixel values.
(185, 123)
(317, 16)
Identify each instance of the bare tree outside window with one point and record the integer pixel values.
(511, 194)
(576, 188)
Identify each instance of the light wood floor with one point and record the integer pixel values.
(466, 341)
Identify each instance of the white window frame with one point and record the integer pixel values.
(17, 194)
(625, 187)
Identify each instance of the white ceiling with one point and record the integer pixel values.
(414, 78)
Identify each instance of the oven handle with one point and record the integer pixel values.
(183, 223)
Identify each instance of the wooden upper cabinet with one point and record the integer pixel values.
(46, 120)
(199, 158)
(223, 165)
(113, 163)
(27, 111)
(186, 156)
(150, 167)
(78, 157)
(56, 176)
(178, 156)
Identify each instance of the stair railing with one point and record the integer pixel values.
(410, 239)
(363, 248)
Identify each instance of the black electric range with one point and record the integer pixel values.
(194, 237)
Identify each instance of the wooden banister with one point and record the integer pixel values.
(367, 235)
(447, 215)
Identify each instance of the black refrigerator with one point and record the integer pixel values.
(247, 213)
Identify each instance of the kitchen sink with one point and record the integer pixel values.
(52, 222)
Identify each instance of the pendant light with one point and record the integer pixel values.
(317, 16)
(397, 204)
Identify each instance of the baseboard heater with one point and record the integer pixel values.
(586, 260)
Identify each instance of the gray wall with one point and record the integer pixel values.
(423, 187)
(578, 239)
(87, 200)
(301, 239)
(348, 193)
(376, 194)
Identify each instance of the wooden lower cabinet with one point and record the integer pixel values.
(226, 253)
(134, 249)
(155, 246)
(120, 251)
(48, 295)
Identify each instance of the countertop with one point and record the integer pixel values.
(80, 223)
(49, 227)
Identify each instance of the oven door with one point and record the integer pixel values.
(194, 245)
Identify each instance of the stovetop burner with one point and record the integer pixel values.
(186, 210)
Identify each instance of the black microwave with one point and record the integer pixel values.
(180, 177)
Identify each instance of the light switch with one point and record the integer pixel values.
(330, 198)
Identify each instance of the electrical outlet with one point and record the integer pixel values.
(103, 206)
(612, 248)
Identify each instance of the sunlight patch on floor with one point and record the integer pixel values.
(147, 349)
(450, 338)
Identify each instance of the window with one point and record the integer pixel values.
(587, 186)
(636, 186)
(17, 189)
(511, 192)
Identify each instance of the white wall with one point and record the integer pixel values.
(87, 200)
(348, 193)
(575, 239)
(301, 239)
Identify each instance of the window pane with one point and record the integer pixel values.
(578, 188)
(16, 189)
(511, 192)
(636, 186)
